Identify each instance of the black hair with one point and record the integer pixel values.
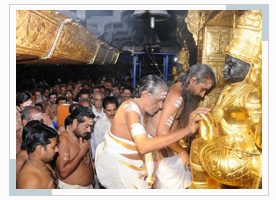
(110, 100)
(39, 105)
(28, 127)
(67, 121)
(53, 93)
(45, 87)
(61, 85)
(38, 134)
(127, 88)
(22, 97)
(72, 106)
(79, 113)
(61, 98)
(37, 90)
(84, 91)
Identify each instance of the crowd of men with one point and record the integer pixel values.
(116, 138)
(95, 104)
(72, 154)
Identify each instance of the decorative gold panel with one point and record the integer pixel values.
(216, 40)
(76, 43)
(35, 32)
(51, 37)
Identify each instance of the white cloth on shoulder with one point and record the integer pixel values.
(171, 174)
(115, 171)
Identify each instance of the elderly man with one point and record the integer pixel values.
(97, 107)
(124, 160)
(74, 164)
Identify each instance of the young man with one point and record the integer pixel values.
(41, 145)
(30, 113)
(84, 94)
(51, 110)
(74, 163)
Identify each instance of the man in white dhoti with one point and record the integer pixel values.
(172, 163)
(124, 160)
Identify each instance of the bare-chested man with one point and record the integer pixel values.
(30, 113)
(172, 166)
(74, 163)
(41, 145)
(51, 110)
(123, 160)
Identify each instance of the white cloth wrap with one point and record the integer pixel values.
(112, 169)
(137, 129)
(171, 174)
(63, 185)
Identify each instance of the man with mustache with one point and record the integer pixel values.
(74, 163)
(110, 105)
(172, 163)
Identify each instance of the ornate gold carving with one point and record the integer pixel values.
(49, 35)
(193, 20)
(217, 38)
(34, 33)
(76, 44)
(215, 41)
(247, 37)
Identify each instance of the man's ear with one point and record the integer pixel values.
(24, 122)
(144, 94)
(39, 149)
(18, 109)
(193, 80)
(75, 123)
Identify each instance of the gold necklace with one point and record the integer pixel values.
(87, 158)
(52, 175)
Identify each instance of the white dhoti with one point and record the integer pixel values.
(115, 171)
(63, 185)
(171, 174)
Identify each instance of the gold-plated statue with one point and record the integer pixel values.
(182, 63)
(228, 151)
